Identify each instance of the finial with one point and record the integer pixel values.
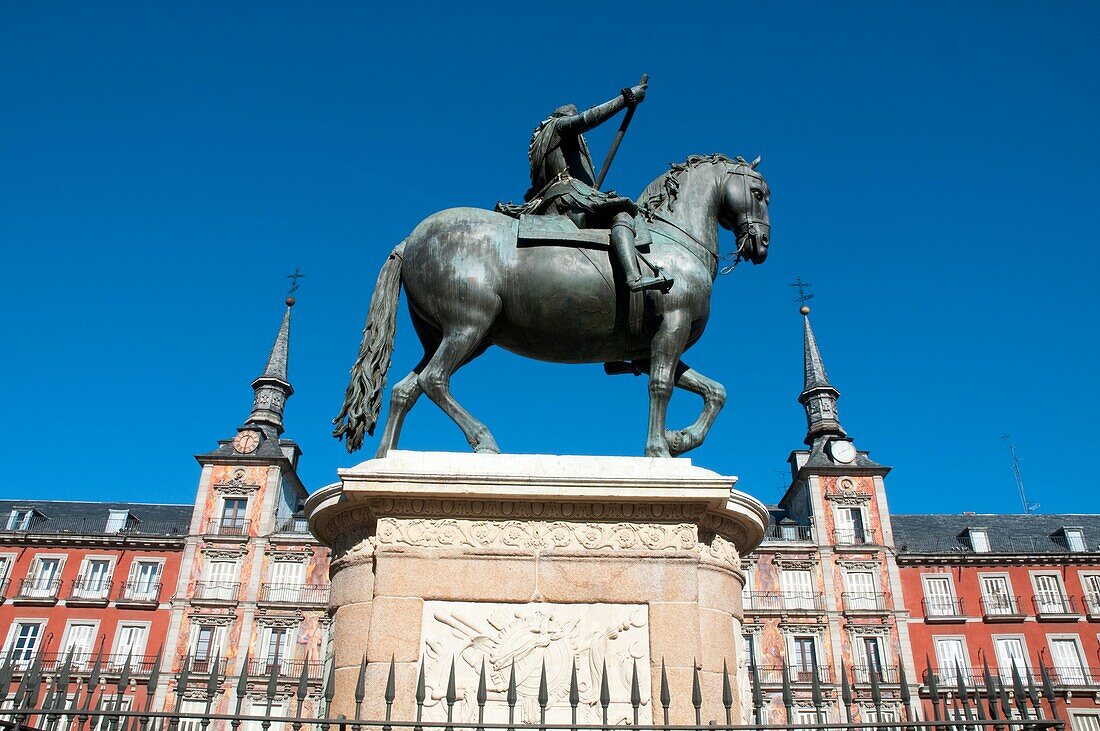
(290, 303)
(803, 295)
(803, 309)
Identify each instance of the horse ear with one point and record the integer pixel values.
(755, 162)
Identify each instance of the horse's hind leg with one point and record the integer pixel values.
(456, 348)
(402, 397)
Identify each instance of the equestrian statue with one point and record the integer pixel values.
(572, 275)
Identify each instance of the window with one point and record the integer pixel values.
(20, 519)
(234, 515)
(798, 589)
(1065, 652)
(5, 567)
(939, 597)
(850, 527)
(871, 649)
(191, 716)
(94, 581)
(275, 644)
(117, 521)
(861, 590)
(952, 659)
(221, 580)
(997, 596)
(979, 540)
(144, 581)
(1075, 539)
(110, 723)
(1085, 721)
(206, 645)
(747, 589)
(129, 643)
(286, 581)
(1049, 597)
(750, 650)
(79, 639)
(44, 578)
(805, 658)
(23, 642)
(1010, 652)
(1091, 583)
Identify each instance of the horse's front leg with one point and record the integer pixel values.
(665, 352)
(714, 398)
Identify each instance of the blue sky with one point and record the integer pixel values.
(163, 166)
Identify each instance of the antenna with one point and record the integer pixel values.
(1029, 508)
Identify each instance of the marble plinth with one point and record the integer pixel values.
(491, 561)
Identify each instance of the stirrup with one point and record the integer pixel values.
(660, 282)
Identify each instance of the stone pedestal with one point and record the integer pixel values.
(526, 561)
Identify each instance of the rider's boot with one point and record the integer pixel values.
(622, 240)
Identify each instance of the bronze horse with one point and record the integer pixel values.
(469, 285)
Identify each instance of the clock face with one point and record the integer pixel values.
(246, 442)
(842, 451)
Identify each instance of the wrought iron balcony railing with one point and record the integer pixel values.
(773, 674)
(783, 601)
(1091, 600)
(801, 533)
(139, 592)
(943, 608)
(228, 527)
(225, 591)
(39, 588)
(855, 537)
(864, 601)
(96, 527)
(297, 525)
(862, 674)
(207, 665)
(1001, 607)
(1052, 605)
(84, 661)
(285, 668)
(90, 590)
(294, 593)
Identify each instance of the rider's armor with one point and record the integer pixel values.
(563, 181)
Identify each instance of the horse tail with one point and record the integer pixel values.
(363, 397)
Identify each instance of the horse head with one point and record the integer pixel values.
(743, 208)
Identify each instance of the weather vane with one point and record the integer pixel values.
(293, 285)
(803, 296)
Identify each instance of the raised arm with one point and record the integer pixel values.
(597, 115)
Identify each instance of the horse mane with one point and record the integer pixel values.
(662, 192)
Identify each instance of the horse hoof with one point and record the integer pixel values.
(675, 441)
(487, 449)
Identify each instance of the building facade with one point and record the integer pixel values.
(1005, 596)
(87, 580)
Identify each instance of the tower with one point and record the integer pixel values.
(251, 597)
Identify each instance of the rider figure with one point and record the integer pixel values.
(563, 181)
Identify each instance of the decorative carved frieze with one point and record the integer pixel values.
(859, 565)
(236, 486)
(791, 563)
(850, 499)
(223, 554)
(270, 619)
(213, 620)
(289, 554)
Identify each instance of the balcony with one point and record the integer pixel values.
(232, 528)
(138, 594)
(864, 601)
(1056, 607)
(1091, 600)
(95, 527)
(84, 662)
(1001, 608)
(216, 592)
(203, 665)
(287, 669)
(943, 609)
(38, 591)
(862, 674)
(789, 534)
(1074, 676)
(294, 594)
(88, 592)
(947, 678)
(4, 589)
(773, 674)
(783, 601)
(297, 525)
(855, 538)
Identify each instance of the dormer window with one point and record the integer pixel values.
(979, 540)
(118, 521)
(1075, 540)
(20, 518)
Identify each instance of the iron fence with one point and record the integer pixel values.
(47, 697)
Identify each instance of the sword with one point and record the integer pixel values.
(618, 140)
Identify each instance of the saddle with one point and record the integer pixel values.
(535, 229)
(559, 230)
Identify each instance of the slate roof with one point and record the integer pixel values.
(88, 518)
(1007, 532)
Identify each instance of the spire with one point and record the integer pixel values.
(272, 387)
(818, 396)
